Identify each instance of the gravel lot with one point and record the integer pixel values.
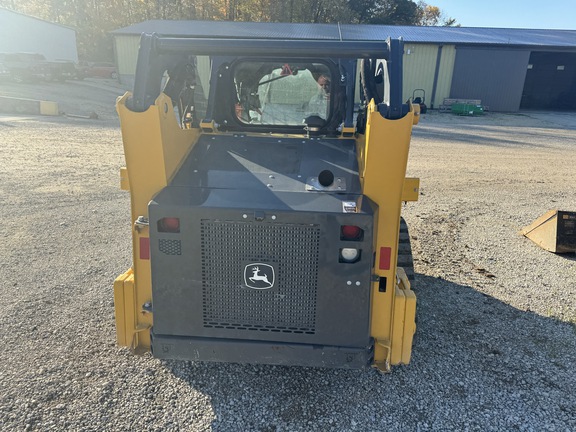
(496, 341)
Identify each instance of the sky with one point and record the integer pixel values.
(534, 14)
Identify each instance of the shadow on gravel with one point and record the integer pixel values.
(569, 256)
(24, 121)
(484, 135)
(477, 363)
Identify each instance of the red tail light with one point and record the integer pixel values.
(351, 232)
(169, 225)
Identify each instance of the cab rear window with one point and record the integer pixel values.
(281, 94)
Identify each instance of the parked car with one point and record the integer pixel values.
(25, 66)
(63, 69)
(98, 69)
(34, 67)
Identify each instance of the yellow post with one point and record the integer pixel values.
(383, 156)
(154, 146)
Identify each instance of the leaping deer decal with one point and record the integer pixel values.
(257, 277)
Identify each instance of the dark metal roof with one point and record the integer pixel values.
(349, 32)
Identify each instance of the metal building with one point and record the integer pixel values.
(24, 33)
(507, 69)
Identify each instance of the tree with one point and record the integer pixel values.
(433, 16)
(400, 12)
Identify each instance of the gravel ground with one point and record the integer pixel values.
(496, 341)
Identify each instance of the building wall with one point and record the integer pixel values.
(445, 75)
(126, 51)
(420, 62)
(493, 75)
(22, 33)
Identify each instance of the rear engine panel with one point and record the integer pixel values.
(255, 266)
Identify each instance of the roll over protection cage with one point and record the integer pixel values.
(157, 54)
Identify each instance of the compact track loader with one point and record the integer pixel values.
(266, 175)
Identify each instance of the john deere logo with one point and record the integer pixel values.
(259, 276)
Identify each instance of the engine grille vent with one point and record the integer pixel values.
(289, 306)
(170, 247)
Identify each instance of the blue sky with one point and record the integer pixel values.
(537, 14)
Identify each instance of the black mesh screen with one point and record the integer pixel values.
(291, 249)
(170, 247)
